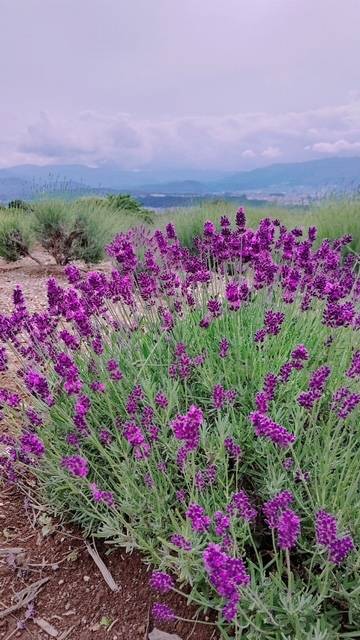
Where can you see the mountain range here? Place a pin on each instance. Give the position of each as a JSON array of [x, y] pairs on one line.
[[29, 181]]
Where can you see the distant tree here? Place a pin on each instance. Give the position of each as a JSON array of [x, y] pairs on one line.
[[19, 204]]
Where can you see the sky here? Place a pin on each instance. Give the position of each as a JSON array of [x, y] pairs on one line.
[[201, 84]]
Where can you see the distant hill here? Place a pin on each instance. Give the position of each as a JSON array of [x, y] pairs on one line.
[[29, 181], [315, 174]]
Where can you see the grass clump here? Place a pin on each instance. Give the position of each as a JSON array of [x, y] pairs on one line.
[[67, 233], [203, 409], [15, 237]]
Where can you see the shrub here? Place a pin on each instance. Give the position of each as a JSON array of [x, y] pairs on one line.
[[127, 203], [67, 234], [19, 204], [208, 420], [14, 238]]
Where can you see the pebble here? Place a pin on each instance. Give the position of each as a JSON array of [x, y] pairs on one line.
[[86, 578]]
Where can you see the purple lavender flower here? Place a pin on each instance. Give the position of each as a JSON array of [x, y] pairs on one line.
[[288, 463], [236, 294], [222, 523], [241, 218], [76, 465], [227, 575], [161, 400], [300, 353], [325, 528], [161, 581], [340, 548], [107, 497], [31, 443], [3, 359], [267, 428], [214, 307], [274, 508], [72, 439], [97, 386], [187, 428], [209, 228], [261, 401], [219, 397], [199, 521], [181, 495], [354, 369], [179, 541], [233, 449], [273, 321], [318, 379], [270, 384], [285, 371], [288, 527], [149, 481], [162, 612], [105, 437], [240, 504], [37, 385], [170, 231], [114, 370], [72, 273], [224, 346]]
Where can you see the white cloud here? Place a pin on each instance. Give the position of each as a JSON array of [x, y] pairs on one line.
[[271, 152], [230, 142], [248, 153], [340, 146]]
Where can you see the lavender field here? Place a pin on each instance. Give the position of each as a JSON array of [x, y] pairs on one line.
[[200, 403]]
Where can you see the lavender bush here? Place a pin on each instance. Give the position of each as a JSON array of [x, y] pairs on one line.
[[202, 407]]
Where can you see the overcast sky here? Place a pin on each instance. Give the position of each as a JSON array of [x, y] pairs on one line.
[[224, 84]]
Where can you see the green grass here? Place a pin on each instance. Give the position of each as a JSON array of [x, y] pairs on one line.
[[333, 219]]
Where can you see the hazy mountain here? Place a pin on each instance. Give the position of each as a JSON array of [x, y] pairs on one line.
[[106, 175], [318, 174], [28, 181]]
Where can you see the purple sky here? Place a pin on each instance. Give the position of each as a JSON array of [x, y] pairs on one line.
[[213, 84]]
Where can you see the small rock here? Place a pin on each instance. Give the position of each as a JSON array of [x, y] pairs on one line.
[[47, 627], [61, 582], [86, 578], [156, 634]]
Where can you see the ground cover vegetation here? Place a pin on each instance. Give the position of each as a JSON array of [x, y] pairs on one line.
[[80, 229], [200, 403]]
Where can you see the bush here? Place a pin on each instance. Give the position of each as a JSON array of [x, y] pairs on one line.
[[66, 233], [209, 421], [127, 203], [14, 238], [19, 204]]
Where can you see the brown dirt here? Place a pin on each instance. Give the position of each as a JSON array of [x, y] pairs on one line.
[[76, 599]]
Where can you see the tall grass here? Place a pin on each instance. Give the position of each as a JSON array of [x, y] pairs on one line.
[[332, 218]]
